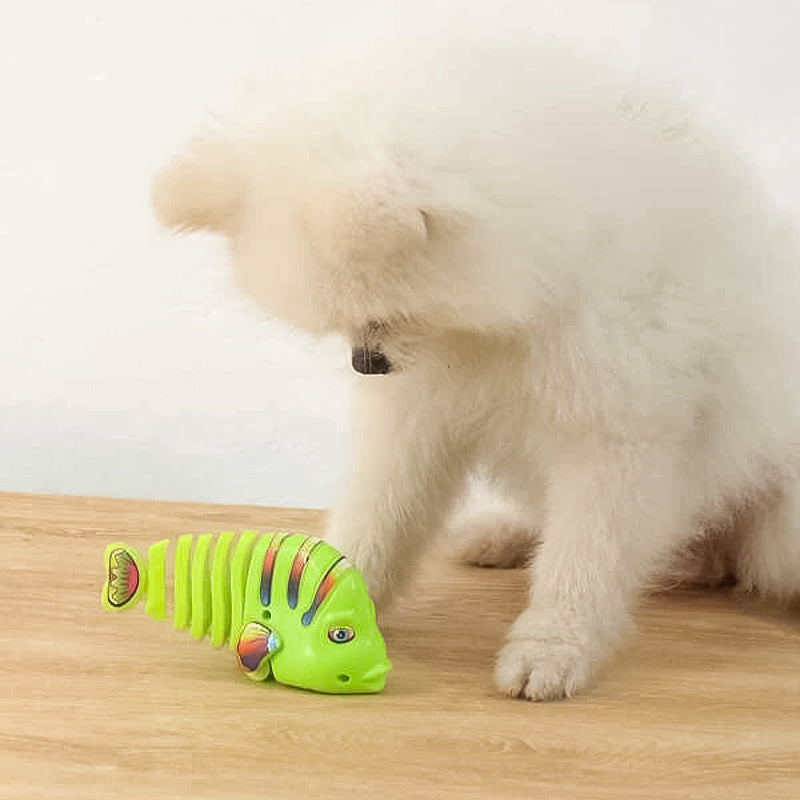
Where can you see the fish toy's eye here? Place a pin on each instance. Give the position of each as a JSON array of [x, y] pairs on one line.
[[341, 635]]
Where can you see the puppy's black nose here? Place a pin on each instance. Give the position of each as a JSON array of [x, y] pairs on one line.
[[370, 362]]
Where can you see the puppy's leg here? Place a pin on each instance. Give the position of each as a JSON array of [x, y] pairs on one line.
[[492, 530], [769, 560], [612, 516], [404, 475], [494, 539], [706, 560], [499, 524]]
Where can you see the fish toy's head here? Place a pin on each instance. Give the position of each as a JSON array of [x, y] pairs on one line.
[[340, 651], [322, 633]]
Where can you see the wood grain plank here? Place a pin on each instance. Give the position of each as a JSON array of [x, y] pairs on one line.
[[705, 702]]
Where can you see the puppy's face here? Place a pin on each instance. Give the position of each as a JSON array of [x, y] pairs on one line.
[[320, 239]]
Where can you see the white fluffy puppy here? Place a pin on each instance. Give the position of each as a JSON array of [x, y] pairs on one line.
[[583, 293]]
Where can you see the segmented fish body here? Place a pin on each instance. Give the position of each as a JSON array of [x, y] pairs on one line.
[[289, 605]]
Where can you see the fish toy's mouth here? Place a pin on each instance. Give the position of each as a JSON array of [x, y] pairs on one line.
[[375, 677], [373, 680]]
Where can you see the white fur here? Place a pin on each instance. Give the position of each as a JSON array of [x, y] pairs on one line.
[[583, 292]]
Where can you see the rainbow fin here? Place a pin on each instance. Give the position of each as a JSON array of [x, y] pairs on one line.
[[254, 649], [129, 577]]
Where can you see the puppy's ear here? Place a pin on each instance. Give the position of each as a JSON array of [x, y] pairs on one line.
[[201, 189], [359, 222]]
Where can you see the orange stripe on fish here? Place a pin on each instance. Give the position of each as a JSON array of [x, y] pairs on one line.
[[296, 572], [324, 589], [268, 567]]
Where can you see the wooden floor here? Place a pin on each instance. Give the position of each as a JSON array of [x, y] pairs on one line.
[[705, 703]]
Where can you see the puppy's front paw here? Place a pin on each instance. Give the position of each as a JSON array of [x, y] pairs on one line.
[[543, 660]]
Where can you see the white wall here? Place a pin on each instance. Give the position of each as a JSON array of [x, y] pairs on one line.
[[129, 366]]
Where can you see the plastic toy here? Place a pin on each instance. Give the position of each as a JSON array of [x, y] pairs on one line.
[[289, 605]]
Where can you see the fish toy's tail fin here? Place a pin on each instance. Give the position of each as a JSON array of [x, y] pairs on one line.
[[207, 582], [130, 577]]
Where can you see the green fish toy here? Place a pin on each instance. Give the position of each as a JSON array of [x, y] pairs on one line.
[[289, 605]]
